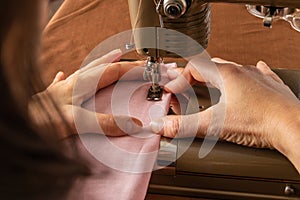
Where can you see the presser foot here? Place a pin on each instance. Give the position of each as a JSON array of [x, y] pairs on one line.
[[155, 92]]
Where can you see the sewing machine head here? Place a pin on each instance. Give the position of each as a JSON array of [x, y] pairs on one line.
[[191, 18]]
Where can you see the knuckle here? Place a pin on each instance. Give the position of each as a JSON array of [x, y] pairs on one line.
[[172, 127], [107, 124], [110, 127], [231, 69]]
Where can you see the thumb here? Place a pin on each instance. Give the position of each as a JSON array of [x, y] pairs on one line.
[[86, 121], [182, 126], [119, 125]]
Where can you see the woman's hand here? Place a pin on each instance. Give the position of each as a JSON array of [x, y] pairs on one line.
[[68, 93], [259, 109]]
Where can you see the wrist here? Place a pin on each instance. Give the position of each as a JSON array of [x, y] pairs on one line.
[[35, 109], [288, 140]]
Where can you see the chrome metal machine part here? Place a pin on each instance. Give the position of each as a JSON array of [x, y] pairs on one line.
[[183, 16], [269, 14], [152, 73]]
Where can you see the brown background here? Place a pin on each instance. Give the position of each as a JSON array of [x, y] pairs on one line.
[[80, 25]]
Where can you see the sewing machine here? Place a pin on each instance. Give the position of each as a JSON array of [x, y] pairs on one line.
[[229, 171], [151, 18]]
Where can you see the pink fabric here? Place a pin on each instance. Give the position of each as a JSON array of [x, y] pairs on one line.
[[121, 166]]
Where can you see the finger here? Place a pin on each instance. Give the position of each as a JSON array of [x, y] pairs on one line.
[[197, 70], [58, 77], [173, 73], [175, 105], [181, 126], [119, 125], [87, 83], [110, 57], [179, 84], [265, 69], [120, 71], [220, 60], [172, 65], [92, 80], [181, 81], [90, 122], [106, 59]]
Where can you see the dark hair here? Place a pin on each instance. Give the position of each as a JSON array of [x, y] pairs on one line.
[[33, 165]]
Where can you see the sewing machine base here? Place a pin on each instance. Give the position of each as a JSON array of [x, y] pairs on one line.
[[229, 172]]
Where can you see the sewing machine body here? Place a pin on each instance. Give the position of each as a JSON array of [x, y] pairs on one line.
[[193, 22], [188, 29]]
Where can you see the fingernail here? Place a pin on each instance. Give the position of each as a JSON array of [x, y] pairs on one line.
[[157, 125], [172, 74], [133, 125], [171, 65], [169, 86], [261, 62], [219, 60], [59, 73], [117, 53], [175, 85], [137, 122]]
